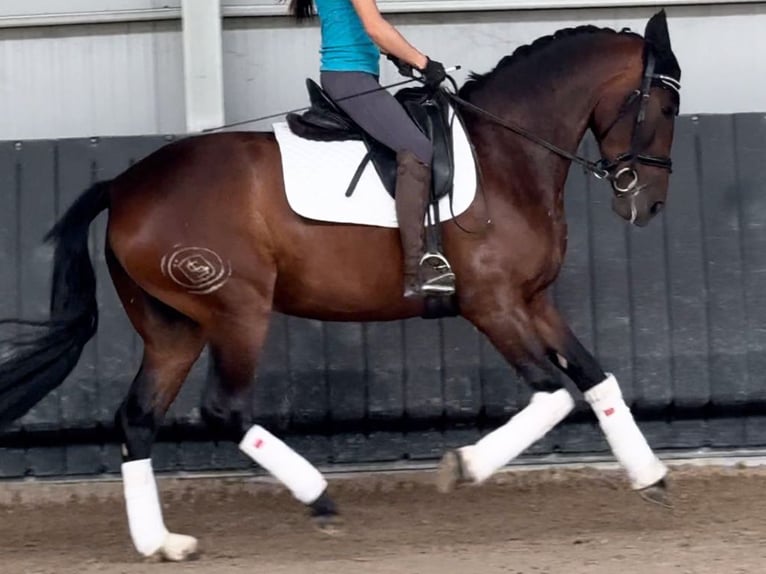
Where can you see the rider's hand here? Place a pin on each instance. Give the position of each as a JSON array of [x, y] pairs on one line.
[[404, 68], [434, 73]]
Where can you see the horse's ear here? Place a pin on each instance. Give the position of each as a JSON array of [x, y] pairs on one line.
[[657, 33], [658, 39]]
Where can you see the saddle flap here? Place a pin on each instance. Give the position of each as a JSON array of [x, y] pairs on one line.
[[430, 111]]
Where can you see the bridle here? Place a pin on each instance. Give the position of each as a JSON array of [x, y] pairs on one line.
[[614, 170]]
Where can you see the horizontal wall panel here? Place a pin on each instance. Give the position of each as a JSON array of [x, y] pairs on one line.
[[675, 310]]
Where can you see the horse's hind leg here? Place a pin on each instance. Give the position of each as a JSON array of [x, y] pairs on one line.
[[235, 347], [601, 390], [172, 342], [514, 336]]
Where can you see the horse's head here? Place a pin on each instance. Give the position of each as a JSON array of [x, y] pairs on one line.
[[633, 124]]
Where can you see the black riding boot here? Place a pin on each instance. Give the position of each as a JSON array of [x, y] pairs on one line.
[[423, 275]]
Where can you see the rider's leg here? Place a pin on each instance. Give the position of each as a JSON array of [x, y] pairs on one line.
[[383, 118], [413, 186]]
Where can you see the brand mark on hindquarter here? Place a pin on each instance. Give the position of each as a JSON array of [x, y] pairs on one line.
[[196, 269]]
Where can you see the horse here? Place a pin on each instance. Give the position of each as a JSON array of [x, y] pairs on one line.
[[202, 247]]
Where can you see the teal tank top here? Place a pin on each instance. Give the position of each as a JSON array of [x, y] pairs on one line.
[[346, 46]]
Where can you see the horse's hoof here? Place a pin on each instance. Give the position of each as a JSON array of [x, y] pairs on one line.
[[450, 473], [329, 524], [324, 514], [178, 548], [657, 494]]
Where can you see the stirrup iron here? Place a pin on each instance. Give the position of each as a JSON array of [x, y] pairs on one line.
[[444, 282], [441, 262]]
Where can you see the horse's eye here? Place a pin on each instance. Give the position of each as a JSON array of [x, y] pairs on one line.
[[669, 111]]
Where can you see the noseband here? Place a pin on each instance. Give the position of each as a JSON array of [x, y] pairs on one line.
[[604, 168], [611, 170]]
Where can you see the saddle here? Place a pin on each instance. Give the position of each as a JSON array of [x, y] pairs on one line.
[[325, 121]]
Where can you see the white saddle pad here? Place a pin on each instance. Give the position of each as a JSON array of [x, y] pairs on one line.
[[317, 175]]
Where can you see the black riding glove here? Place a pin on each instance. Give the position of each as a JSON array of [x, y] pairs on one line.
[[434, 73], [404, 68]]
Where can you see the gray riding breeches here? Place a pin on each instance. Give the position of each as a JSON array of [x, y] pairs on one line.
[[377, 112]]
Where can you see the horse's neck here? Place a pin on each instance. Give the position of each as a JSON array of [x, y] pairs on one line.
[[554, 106]]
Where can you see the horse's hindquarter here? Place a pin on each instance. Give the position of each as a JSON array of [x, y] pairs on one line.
[[184, 224]]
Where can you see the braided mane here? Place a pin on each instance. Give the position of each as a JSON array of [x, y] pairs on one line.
[[476, 81]]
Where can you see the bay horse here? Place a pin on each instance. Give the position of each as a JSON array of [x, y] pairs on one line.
[[220, 197]]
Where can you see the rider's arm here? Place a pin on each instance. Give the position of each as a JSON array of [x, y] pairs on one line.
[[386, 36]]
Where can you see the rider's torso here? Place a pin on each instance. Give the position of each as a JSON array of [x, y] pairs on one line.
[[346, 46]]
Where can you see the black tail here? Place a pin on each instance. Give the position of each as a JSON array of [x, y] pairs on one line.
[[32, 365]]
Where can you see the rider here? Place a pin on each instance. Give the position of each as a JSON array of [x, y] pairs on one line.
[[353, 35]]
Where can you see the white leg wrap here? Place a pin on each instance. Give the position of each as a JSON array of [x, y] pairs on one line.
[[623, 435], [147, 528], [498, 448], [291, 469]]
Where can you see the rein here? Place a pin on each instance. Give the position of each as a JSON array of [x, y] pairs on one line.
[[409, 80], [595, 167], [603, 168], [305, 108]]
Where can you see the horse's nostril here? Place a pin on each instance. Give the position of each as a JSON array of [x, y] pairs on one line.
[[657, 207]]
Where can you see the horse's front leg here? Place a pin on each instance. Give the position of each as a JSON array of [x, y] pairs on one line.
[[513, 335], [602, 392]]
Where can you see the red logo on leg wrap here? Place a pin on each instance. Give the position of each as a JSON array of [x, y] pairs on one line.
[[609, 412], [258, 443]]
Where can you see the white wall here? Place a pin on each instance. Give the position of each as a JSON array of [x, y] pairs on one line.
[[91, 80], [110, 79], [722, 50]]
